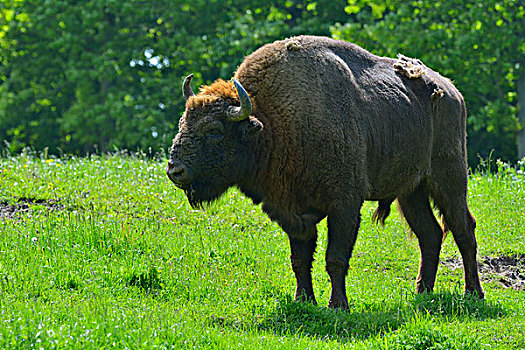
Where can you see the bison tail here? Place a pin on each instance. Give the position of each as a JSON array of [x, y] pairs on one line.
[[444, 227], [382, 211]]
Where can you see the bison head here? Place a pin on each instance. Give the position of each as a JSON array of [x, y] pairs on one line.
[[211, 151]]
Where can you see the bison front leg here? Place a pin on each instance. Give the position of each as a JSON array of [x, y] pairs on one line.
[[302, 255], [342, 233]]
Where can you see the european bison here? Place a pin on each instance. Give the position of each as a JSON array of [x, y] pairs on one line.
[[311, 127]]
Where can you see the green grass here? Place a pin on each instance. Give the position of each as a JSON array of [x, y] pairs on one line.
[[107, 253]]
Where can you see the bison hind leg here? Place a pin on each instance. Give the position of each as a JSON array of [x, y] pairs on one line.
[[417, 211], [382, 211]]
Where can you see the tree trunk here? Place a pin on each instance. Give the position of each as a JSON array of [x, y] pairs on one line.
[[521, 113]]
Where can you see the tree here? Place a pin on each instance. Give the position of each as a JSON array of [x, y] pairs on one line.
[[479, 44], [97, 74], [67, 76], [106, 73]]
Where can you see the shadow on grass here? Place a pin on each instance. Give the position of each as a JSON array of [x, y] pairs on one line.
[[365, 321]]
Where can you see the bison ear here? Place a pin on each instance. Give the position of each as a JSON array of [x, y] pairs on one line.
[[252, 127]]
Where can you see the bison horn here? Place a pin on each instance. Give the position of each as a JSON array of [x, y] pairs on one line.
[[187, 92], [236, 114]]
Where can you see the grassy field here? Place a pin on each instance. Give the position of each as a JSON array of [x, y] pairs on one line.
[[103, 252]]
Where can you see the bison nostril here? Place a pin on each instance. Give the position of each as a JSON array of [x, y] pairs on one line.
[[178, 173]]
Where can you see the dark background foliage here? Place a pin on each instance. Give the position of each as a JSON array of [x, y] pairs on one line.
[[84, 76]]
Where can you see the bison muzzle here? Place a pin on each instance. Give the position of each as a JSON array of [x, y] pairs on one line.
[[312, 127]]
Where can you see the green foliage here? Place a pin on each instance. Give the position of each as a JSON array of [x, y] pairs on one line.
[[96, 75], [478, 44], [104, 252], [81, 76]]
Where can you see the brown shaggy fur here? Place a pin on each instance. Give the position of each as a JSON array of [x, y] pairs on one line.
[[217, 91], [341, 126]]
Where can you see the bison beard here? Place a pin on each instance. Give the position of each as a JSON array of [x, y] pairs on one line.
[[202, 193], [333, 125]]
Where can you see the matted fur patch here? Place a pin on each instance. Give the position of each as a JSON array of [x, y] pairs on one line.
[[409, 67]]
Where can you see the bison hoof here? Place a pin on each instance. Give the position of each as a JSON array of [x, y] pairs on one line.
[[302, 298], [338, 304], [476, 293], [421, 288]]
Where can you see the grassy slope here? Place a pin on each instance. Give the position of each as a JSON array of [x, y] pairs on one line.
[[120, 259]]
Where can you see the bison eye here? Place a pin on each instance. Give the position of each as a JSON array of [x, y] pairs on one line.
[[213, 131], [214, 134]]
